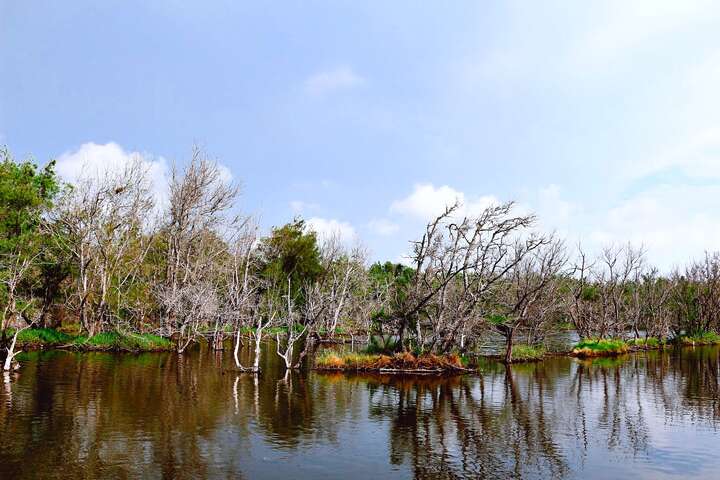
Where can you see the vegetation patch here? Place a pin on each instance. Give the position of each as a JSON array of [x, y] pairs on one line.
[[705, 338], [600, 348], [397, 363], [527, 353], [110, 341], [36, 337], [124, 342], [646, 343]]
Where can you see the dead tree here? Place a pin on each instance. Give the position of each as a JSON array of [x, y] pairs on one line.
[[457, 262], [528, 298], [198, 201]]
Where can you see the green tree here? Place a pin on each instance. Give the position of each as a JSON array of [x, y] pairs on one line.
[[290, 254], [26, 194], [390, 282]]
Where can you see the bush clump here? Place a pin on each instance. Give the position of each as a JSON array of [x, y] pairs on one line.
[[600, 347]]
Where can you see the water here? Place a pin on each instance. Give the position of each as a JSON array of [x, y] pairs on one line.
[[99, 415]]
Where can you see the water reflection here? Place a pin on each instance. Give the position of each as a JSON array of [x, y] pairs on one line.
[[67, 415]]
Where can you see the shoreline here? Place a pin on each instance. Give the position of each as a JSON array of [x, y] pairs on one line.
[[45, 339]]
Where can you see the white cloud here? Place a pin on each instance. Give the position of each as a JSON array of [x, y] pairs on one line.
[[331, 80], [383, 226], [327, 228], [426, 202], [95, 160], [554, 213], [676, 223]]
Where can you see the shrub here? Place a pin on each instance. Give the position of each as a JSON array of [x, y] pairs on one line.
[[381, 344]]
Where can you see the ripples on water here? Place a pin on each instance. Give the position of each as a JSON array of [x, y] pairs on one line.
[[97, 415]]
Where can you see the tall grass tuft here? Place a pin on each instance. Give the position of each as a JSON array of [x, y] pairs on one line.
[[527, 353], [600, 347]]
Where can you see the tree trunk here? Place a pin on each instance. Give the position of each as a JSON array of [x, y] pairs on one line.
[[509, 345], [256, 363], [237, 348], [11, 353]]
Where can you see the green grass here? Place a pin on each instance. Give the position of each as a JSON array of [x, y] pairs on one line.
[[527, 353], [117, 341], [42, 336], [600, 347], [650, 342], [131, 342], [706, 338]]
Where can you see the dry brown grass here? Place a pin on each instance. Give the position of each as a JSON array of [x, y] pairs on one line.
[[404, 361]]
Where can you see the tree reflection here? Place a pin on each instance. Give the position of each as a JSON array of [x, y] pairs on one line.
[[193, 416]]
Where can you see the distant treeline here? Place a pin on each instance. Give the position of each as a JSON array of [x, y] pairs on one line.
[[104, 255]]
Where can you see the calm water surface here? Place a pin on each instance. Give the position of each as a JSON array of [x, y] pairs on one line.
[[97, 415]]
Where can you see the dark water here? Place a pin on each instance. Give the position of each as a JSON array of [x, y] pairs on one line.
[[71, 415]]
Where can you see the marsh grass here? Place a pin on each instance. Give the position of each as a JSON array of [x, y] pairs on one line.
[[111, 341], [600, 348], [646, 343], [41, 336], [117, 341], [705, 338], [331, 360], [527, 353]]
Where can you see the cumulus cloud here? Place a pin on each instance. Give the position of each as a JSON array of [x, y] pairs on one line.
[[326, 228], [676, 223], [427, 201], [340, 78], [95, 160], [383, 226]]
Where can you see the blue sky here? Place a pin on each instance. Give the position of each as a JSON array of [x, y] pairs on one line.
[[603, 117]]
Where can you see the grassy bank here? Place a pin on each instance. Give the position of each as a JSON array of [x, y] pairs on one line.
[[32, 338], [397, 363]]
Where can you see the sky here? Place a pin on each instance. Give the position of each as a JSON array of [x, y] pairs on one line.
[[366, 118]]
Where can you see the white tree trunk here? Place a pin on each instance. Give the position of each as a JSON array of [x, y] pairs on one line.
[[11, 353]]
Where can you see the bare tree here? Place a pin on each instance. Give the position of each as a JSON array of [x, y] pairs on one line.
[[341, 277], [457, 263], [199, 198], [528, 298], [15, 268]]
